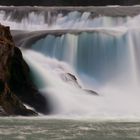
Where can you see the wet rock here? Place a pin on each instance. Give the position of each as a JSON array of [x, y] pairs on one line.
[[68, 77], [91, 92], [16, 86], [12, 105]]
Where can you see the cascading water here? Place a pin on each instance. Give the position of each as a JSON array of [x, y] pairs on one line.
[[98, 55], [101, 51], [103, 62], [39, 18]]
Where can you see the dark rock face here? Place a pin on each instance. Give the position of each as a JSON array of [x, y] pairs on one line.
[[11, 105], [21, 84], [15, 83]]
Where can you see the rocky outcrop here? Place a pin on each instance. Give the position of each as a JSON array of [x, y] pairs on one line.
[[11, 104], [70, 78], [16, 86]]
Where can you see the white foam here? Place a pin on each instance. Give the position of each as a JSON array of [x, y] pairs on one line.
[[69, 100]]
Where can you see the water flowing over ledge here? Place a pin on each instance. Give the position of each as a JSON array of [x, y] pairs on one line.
[[50, 18], [98, 10]]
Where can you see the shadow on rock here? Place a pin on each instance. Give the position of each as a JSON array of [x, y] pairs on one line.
[[16, 86]]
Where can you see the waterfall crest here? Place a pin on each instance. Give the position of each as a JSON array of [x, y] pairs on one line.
[[50, 18]]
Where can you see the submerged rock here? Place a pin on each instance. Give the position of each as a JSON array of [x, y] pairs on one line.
[[91, 92], [68, 77], [16, 86]]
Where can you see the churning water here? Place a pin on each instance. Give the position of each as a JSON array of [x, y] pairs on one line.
[[57, 129]]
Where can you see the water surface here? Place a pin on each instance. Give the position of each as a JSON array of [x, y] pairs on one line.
[[67, 129]]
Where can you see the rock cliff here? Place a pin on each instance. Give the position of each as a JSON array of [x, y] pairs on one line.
[[16, 87]]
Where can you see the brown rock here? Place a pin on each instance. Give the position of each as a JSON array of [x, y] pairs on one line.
[[15, 82]]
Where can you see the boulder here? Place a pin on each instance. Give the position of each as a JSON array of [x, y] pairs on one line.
[[16, 86]]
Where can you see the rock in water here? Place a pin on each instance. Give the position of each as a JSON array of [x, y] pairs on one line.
[[15, 82], [11, 104], [68, 77], [91, 92]]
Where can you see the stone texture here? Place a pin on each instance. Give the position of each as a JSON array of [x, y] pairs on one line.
[[16, 86]]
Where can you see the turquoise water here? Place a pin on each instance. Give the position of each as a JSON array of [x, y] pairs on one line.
[[67, 129]]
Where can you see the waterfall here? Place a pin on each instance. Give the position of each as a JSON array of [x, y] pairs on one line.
[[66, 97], [69, 100], [104, 62], [107, 63], [98, 55], [69, 50]]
